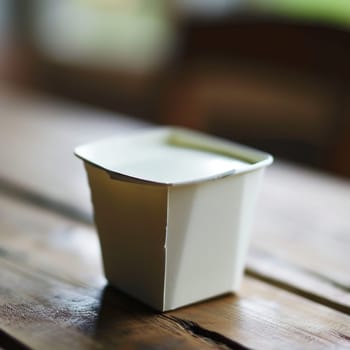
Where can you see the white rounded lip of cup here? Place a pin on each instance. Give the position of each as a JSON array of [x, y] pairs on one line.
[[171, 156]]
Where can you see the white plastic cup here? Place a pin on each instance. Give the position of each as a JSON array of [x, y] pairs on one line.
[[173, 210]]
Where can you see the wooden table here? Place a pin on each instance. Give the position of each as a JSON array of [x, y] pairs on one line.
[[53, 295]]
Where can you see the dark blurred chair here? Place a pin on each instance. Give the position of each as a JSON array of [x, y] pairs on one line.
[[277, 85]]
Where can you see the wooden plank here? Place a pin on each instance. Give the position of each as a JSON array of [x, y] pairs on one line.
[[264, 317], [37, 137], [302, 235], [53, 292]]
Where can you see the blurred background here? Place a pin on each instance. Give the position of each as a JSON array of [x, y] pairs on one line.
[[273, 74]]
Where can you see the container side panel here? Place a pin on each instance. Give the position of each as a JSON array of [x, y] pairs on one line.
[[208, 236], [131, 222]]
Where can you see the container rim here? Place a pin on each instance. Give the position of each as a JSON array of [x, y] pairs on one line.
[[102, 153]]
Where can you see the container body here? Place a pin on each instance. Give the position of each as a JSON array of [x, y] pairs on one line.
[[172, 246]]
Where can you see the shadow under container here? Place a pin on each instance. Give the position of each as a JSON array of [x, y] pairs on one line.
[[173, 210]]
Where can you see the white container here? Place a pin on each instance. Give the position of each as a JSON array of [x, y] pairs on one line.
[[173, 209]]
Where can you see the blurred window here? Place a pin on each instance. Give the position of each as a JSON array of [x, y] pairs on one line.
[[133, 34]]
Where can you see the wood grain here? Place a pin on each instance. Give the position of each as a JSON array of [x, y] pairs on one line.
[[53, 292], [264, 317], [37, 137], [52, 287], [301, 237]]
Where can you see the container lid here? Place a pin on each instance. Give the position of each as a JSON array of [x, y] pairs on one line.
[[171, 156]]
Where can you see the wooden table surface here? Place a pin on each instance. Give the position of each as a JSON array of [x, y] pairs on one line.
[[53, 295]]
